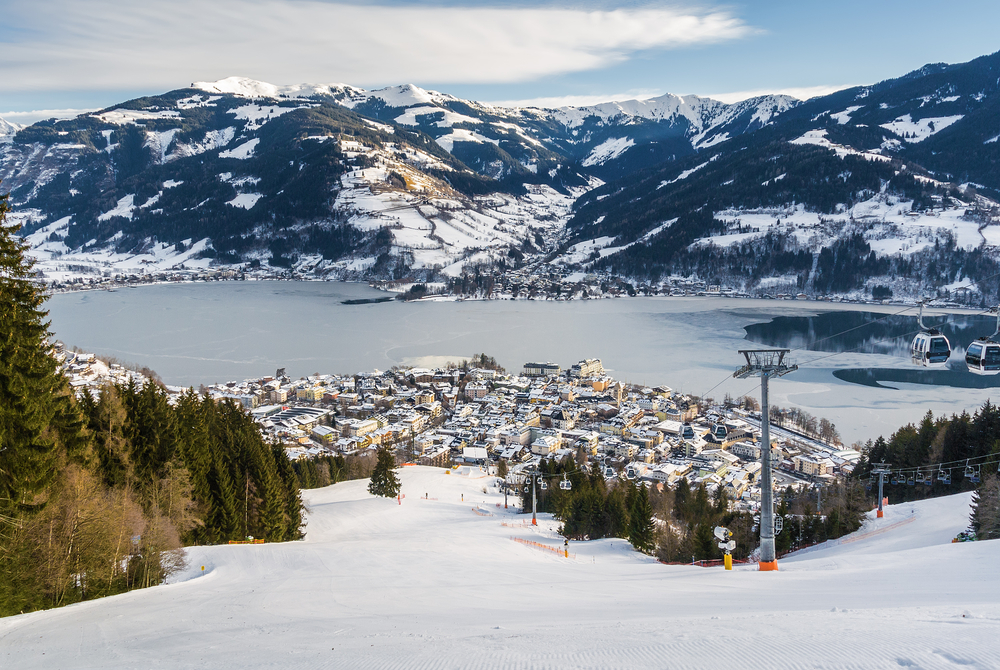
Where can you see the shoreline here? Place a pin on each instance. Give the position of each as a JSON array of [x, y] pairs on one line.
[[838, 303]]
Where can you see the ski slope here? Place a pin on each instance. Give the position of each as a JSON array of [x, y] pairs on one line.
[[432, 583]]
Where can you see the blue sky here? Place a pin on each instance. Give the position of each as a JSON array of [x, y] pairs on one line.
[[84, 54]]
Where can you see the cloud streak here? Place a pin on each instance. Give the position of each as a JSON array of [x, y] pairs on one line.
[[108, 44]]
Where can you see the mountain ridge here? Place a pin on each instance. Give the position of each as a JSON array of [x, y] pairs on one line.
[[402, 182]]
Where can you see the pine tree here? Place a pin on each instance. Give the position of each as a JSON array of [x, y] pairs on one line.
[[33, 396], [641, 527], [41, 427], [682, 497], [384, 481], [986, 508]]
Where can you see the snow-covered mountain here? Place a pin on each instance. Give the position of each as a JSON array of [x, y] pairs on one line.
[[503, 141], [331, 179], [890, 189], [340, 181], [8, 130]]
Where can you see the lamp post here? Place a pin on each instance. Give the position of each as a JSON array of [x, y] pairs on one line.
[[765, 363]]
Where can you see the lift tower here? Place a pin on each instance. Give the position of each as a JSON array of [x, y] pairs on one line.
[[880, 469], [765, 363]]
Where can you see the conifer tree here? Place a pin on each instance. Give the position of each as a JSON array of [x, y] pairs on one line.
[[37, 413], [641, 527], [682, 497], [384, 481], [986, 508], [41, 427]]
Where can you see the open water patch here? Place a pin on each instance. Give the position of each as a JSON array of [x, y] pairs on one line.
[[876, 333], [957, 378]]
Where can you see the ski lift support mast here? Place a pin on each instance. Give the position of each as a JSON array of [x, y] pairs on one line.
[[880, 469], [766, 364]]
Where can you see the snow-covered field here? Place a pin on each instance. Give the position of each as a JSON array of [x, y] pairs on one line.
[[432, 583]]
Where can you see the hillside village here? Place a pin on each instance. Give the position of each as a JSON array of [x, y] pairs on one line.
[[479, 415]]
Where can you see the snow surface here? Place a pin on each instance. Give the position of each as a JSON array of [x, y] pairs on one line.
[[7, 130], [438, 583], [121, 117], [447, 142], [818, 137], [408, 95], [214, 139], [157, 141], [243, 151], [245, 200], [919, 130], [887, 222], [448, 118], [257, 115], [124, 208], [251, 88], [685, 174], [844, 117], [434, 224], [608, 150]]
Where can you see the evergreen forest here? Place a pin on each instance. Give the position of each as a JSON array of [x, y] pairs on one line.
[[99, 494], [677, 524], [941, 456]]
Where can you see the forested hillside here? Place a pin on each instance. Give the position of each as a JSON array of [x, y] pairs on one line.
[[98, 496], [677, 523]]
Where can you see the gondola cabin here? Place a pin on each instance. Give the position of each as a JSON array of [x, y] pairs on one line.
[[930, 349], [983, 357]]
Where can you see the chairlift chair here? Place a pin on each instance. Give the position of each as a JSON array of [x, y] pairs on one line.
[[930, 348], [542, 485], [565, 484], [910, 480], [944, 476], [895, 478], [972, 472], [983, 355]]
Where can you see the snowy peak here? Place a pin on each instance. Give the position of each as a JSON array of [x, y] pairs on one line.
[[408, 95], [700, 112], [8, 130], [251, 88], [611, 139]]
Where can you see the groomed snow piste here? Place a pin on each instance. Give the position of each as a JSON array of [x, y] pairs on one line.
[[438, 583]]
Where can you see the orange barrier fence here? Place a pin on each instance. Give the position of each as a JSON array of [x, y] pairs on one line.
[[247, 541], [518, 524], [877, 531], [481, 512], [547, 547]]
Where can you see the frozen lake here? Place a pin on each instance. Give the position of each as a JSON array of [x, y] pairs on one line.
[[213, 332]]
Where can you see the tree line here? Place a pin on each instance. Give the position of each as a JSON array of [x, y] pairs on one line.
[[943, 445], [98, 495], [676, 524]]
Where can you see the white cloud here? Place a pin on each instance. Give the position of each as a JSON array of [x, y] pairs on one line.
[[112, 44], [576, 100], [27, 118], [802, 93]]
